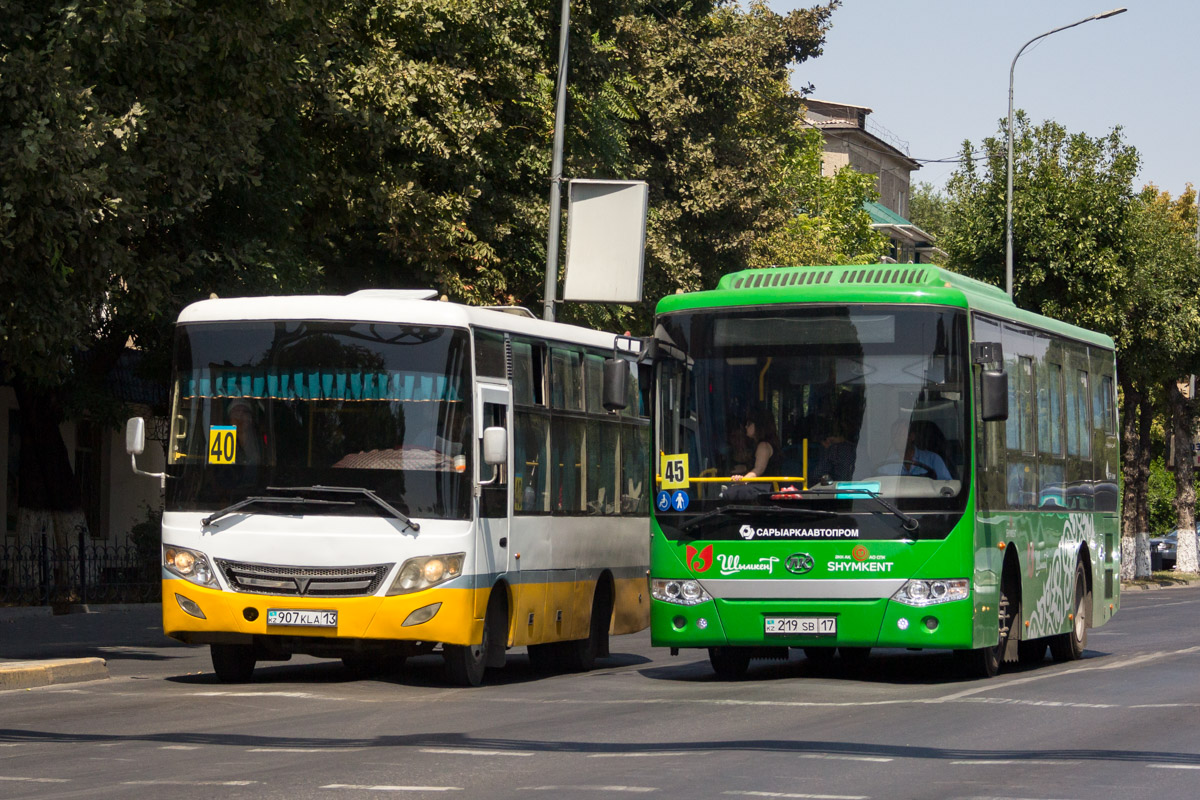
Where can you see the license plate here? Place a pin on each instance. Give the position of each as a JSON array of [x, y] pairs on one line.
[[314, 619], [800, 626]]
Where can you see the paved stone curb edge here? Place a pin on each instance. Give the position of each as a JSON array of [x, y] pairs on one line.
[[31, 674]]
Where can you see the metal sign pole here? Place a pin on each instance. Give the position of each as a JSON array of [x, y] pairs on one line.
[[560, 114]]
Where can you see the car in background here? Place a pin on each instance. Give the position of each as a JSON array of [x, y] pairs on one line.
[[1163, 550]]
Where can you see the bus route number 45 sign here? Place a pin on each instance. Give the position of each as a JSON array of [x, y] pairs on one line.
[[675, 471]]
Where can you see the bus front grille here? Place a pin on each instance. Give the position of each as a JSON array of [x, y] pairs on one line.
[[303, 581]]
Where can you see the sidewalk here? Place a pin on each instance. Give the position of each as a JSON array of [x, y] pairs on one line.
[[39, 648]]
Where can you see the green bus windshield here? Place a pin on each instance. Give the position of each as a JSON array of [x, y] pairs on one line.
[[845, 396]]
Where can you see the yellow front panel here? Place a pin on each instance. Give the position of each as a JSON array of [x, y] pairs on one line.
[[358, 617]]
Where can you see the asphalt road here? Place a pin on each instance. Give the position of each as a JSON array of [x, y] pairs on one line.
[[1121, 723]]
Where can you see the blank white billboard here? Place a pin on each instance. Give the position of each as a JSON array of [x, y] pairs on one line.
[[606, 241]]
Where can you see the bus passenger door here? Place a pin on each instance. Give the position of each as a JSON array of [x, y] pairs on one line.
[[494, 501]]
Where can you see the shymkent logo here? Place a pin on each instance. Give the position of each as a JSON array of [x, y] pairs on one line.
[[746, 531], [699, 560], [799, 563]]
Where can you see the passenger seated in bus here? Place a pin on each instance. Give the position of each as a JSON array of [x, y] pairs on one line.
[[737, 453], [768, 457], [909, 459]]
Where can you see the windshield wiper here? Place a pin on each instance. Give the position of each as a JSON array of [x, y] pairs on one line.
[[910, 523], [367, 493], [735, 508], [209, 520]]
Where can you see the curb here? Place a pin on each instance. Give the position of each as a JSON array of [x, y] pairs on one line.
[[28, 612], [29, 674]]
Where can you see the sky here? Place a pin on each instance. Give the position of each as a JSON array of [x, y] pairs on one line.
[[935, 72]]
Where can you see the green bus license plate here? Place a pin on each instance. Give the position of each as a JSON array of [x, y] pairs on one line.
[[313, 619], [800, 626]]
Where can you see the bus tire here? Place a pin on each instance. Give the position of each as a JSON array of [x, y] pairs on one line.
[[730, 663], [984, 662], [233, 663], [466, 663], [1070, 646], [580, 655]]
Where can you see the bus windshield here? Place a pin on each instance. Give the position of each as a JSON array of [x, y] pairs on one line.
[[845, 398], [381, 407]]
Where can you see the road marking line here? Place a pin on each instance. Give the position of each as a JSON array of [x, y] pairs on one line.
[[384, 788], [1014, 701], [1129, 662], [833, 757], [301, 695], [1173, 766], [800, 796], [34, 780], [1022, 761], [167, 782], [651, 755], [637, 789], [302, 749], [180, 747], [460, 751]]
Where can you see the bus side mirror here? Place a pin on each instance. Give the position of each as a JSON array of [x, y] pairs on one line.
[[616, 384], [135, 436], [993, 395], [495, 445]]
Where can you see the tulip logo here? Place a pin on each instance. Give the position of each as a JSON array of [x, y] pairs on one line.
[[699, 560]]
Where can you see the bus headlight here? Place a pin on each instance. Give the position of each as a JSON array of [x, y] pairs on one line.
[[680, 592], [425, 571], [932, 592], [191, 565]]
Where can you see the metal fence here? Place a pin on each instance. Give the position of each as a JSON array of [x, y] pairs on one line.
[[43, 574]]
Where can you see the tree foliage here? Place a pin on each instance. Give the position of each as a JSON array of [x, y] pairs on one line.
[[155, 151], [1072, 199]]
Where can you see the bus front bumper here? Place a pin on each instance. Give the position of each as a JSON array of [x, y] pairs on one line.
[[199, 615], [859, 623]]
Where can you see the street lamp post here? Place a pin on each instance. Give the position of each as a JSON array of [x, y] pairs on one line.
[[1008, 223]]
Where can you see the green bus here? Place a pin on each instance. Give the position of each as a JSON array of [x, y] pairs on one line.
[[884, 456]]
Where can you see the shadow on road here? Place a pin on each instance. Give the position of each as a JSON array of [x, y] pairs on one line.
[[899, 667], [419, 671], [766, 746]]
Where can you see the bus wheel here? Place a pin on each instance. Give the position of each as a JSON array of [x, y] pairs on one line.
[[580, 655], [465, 663], [233, 663], [984, 662], [1070, 646], [730, 663]]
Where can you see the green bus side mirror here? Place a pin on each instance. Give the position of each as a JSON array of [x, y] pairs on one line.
[[993, 395]]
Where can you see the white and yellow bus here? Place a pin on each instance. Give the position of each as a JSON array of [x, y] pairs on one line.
[[380, 475]]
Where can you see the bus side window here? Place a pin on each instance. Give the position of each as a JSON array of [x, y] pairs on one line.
[[530, 460]]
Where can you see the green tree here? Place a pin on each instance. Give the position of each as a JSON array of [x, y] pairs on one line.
[[929, 209], [156, 151], [128, 133]]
